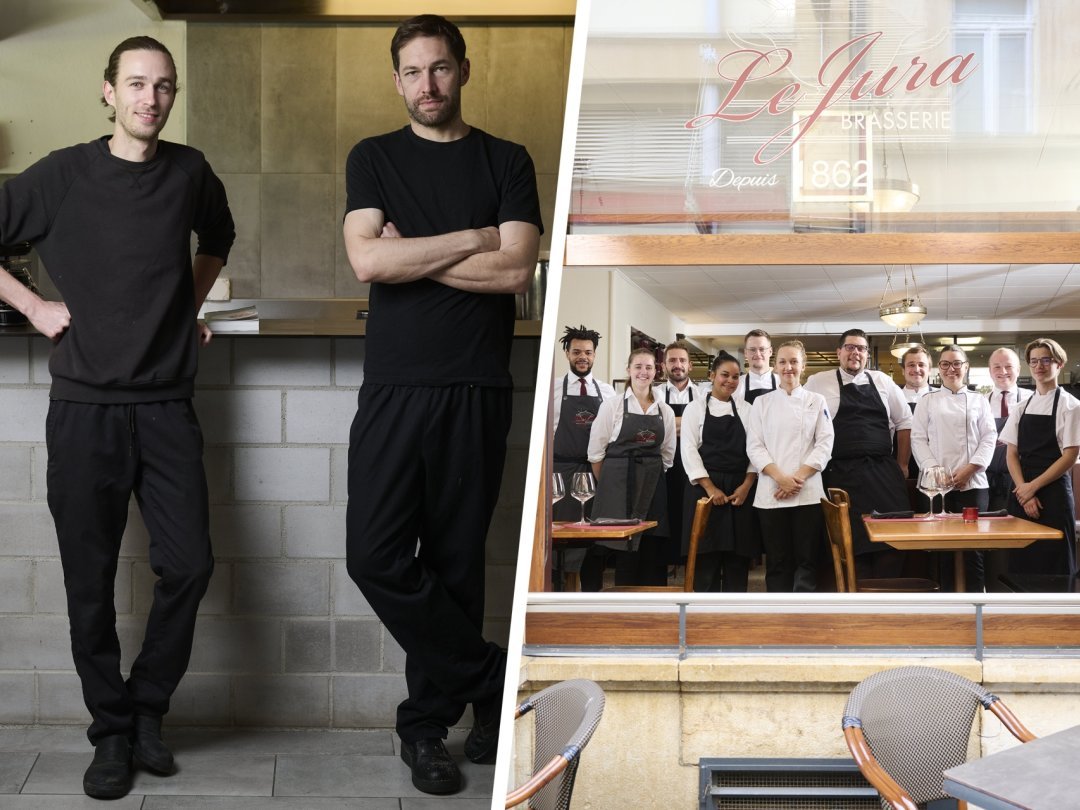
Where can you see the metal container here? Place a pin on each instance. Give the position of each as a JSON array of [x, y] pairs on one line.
[[16, 260], [529, 306]]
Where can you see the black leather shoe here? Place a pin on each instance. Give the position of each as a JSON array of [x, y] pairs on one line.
[[433, 769], [483, 741], [109, 775], [148, 747]]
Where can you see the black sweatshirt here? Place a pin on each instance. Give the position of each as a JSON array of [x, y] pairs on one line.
[[115, 237]]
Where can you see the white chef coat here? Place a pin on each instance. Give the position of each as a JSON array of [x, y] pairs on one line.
[[954, 429], [824, 383], [914, 395], [1067, 424], [608, 423], [573, 389], [693, 423], [751, 381], [789, 431], [1015, 397]]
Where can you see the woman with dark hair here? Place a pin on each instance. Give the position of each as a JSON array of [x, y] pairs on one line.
[[714, 457], [1043, 436], [631, 444], [790, 441]]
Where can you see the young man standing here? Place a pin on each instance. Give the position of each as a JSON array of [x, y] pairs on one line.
[[112, 220], [759, 378], [443, 220], [915, 364]]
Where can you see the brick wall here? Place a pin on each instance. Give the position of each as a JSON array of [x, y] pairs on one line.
[[284, 637]]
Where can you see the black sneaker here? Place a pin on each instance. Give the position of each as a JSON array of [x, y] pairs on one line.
[[433, 769], [483, 741], [148, 747], [109, 775]]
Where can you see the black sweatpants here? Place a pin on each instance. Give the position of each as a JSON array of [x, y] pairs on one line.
[[98, 456], [425, 463]]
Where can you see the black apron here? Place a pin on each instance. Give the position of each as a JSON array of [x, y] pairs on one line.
[[723, 453], [1037, 445], [862, 462], [997, 474], [632, 477], [912, 467], [570, 447], [750, 396], [675, 479]]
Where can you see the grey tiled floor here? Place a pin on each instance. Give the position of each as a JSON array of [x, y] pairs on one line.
[[235, 769]]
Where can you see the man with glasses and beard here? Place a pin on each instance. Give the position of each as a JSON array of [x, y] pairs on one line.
[[443, 220], [576, 398], [867, 408]]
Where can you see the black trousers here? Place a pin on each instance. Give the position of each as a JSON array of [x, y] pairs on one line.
[[99, 455], [425, 463], [792, 538]]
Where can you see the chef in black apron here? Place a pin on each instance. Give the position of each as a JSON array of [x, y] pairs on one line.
[[1043, 436], [677, 392], [1004, 399], [915, 364], [631, 444], [576, 401], [714, 455], [862, 460]]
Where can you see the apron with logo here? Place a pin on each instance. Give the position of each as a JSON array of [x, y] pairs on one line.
[[570, 447]]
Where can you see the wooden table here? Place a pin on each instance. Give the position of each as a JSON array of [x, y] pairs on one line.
[[572, 531], [1038, 775], [956, 534]]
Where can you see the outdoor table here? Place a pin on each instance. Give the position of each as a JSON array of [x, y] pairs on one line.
[[1038, 775], [955, 534]]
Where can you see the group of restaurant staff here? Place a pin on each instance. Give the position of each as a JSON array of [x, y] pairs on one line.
[[764, 448]]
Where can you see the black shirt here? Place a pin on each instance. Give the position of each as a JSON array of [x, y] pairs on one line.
[[424, 332]]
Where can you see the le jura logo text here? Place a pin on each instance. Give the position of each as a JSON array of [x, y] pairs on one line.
[[846, 84]]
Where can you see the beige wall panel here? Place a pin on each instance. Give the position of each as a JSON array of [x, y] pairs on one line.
[[245, 259], [297, 235], [298, 79]]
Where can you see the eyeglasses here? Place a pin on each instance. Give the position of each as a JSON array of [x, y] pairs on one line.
[[755, 350], [956, 364], [855, 347], [1041, 361]]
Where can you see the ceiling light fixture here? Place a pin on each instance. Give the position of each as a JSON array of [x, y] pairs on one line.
[[894, 194], [906, 312]]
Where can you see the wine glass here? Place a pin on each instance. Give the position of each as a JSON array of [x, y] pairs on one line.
[[947, 486], [582, 489], [931, 483], [558, 488]]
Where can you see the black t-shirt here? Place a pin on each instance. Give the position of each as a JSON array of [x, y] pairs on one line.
[[115, 237], [423, 332]]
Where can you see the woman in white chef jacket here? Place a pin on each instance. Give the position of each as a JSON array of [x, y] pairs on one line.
[[1043, 436], [631, 444], [789, 442], [714, 458], [952, 427]]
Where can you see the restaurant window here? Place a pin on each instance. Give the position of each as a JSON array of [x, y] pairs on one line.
[[998, 99]]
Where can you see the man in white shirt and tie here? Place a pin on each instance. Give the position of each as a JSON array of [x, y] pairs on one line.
[[1004, 399], [576, 398]]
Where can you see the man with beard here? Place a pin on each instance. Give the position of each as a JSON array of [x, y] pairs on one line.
[[867, 408], [677, 392], [915, 364], [576, 398], [112, 221], [443, 220]]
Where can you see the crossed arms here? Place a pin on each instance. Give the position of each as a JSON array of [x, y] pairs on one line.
[[481, 260]]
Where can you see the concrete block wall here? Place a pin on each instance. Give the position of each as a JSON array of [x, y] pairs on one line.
[[284, 637]]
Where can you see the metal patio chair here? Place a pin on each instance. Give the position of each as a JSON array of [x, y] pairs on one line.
[[566, 715], [906, 726]]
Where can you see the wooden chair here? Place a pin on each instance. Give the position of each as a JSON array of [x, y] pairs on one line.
[[702, 510], [837, 509], [906, 726], [566, 715]]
